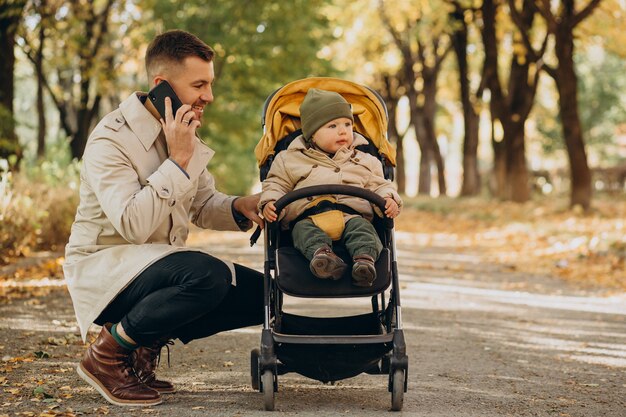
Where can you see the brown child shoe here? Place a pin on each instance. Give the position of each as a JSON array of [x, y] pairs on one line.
[[326, 265], [363, 271]]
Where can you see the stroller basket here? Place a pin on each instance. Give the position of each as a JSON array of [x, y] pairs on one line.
[[331, 361]]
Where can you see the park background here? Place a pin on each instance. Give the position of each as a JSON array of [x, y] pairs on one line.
[[509, 116]]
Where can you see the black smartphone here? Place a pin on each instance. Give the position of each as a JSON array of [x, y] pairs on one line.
[[157, 96]]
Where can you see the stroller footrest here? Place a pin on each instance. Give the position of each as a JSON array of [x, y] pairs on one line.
[[294, 277]]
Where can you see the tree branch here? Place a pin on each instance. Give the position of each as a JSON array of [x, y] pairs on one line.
[[543, 6], [584, 13]]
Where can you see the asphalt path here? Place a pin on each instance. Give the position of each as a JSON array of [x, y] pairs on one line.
[[482, 340]]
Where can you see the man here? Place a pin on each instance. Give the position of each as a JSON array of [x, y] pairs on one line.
[[127, 267]]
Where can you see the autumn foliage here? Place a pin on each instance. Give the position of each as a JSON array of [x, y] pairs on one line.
[[587, 249]]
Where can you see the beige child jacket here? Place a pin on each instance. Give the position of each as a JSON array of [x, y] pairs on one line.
[[300, 166]]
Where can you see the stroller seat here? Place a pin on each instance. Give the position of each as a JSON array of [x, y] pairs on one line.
[[294, 277]]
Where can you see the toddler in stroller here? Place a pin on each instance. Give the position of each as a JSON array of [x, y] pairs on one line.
[[326, 153], [326, 348]]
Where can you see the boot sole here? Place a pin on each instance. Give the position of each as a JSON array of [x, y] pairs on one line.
[[364, 275], [163, 390], [93, 381], [327, 269]]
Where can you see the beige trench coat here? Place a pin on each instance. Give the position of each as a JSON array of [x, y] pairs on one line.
[[298, 167], [135, 207]]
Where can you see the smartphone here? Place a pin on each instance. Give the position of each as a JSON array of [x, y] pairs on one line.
[[157, 96]]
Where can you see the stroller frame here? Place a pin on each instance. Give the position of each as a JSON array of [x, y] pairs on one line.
[[372, 343]]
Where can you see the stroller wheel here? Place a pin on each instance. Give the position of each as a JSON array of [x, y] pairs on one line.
[[254, 368], [267, 386], [397, 390]]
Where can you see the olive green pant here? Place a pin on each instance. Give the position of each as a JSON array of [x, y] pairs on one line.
[[359, 238]]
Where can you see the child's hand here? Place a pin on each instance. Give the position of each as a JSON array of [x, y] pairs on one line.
[[269, 212], [391, 208]]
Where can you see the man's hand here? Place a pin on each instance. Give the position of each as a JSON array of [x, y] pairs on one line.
[[391, 208], [269, 211], [180, 132], [248, 207]]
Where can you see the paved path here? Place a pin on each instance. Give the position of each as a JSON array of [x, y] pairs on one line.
[[482, 341]]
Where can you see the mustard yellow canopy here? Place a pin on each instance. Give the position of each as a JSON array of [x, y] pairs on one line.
[[282, 115]]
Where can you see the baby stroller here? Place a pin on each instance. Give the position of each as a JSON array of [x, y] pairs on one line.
[[327, 349]]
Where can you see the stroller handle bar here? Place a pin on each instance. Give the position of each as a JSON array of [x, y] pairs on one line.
[[292, 196], [305, 192]]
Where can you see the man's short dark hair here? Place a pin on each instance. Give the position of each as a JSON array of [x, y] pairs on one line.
[[171, 48]]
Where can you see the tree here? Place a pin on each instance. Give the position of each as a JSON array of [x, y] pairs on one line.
[[391, 89], [561, 22], [84, 48], [10, 14], [33, 40], [423, 45], [471, 174], [511, 106], [601, 92]]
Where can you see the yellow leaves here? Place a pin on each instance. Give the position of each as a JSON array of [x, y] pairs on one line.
[[30, 277], [68, 339], [19, 359], [537, 237]]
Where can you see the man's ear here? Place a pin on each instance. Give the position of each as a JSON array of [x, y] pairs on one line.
[[156, 80]]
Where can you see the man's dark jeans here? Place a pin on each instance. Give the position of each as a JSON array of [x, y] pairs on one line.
[[187, 295]]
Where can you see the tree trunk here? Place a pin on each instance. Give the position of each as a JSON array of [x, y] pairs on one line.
[[580, 193], [41, 111], [517, 186], [391, 92], [10, 14], [85, 119], [430, 110], [498, 181], [395, 137], [521, 96], [511, 106], [424, 180], [471, 175]]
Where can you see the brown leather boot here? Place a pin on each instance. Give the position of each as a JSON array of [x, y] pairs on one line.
[[325, 264], [363, 271], [106, 367], [145, 361]]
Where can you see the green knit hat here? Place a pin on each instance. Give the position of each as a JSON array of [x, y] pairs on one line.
[[320, 107]]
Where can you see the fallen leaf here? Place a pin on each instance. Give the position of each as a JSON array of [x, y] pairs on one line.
[[40, 392]]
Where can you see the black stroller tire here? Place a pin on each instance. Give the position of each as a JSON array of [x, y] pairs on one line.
[[267, 386], [254, 368], [397, 390]]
